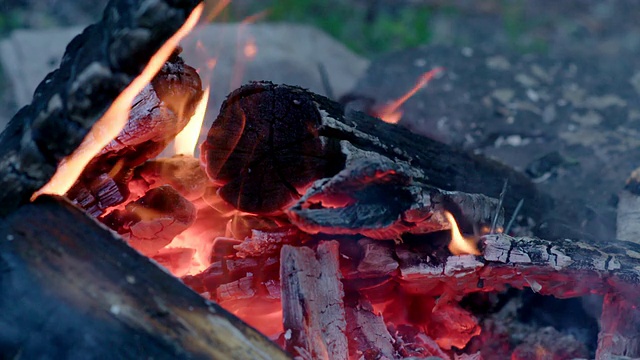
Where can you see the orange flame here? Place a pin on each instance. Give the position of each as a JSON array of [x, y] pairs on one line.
[[114, 120], [460, 245], [217, 9], [391, 112], [185, 142]]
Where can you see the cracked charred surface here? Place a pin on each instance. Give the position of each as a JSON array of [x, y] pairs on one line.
[[275, 147], [97, 66]]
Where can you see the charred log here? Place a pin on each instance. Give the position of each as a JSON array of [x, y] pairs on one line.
[[277, 146], [343, 172], [157, 115], [97, 66], [78, 292]]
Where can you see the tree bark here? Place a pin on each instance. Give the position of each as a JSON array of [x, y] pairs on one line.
[[71, 289]]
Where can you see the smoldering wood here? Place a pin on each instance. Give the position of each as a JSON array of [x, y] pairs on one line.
[[368, 333], [77, 292], [619, 328], [562, 268], [96, 67], [158, 113], [278, 146], [312, 302], [151, 222], [183, 173]]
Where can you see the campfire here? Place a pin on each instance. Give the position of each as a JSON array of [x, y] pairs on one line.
[[301, 228]]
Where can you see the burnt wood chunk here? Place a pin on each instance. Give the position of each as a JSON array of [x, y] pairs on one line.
[[159, 112], [183, 173], [368, 334], [71, 289], [312, 302], [151, 222], [96, 67]]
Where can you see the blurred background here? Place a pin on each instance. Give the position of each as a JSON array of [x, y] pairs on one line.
[[606, 29]]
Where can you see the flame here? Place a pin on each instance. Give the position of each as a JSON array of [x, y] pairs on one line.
[[460, 245], [185, 142], [115, 118], [391, 112], [217, 9]]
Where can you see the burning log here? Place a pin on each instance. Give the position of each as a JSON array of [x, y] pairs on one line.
[[159, 112], [370, 338], [312, 302], [77, 291], [108, 61], [343, 172], [562, 268]]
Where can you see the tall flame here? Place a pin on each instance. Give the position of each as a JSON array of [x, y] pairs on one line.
[[391, 112], [115, 118], [460, 244], [185, 142]]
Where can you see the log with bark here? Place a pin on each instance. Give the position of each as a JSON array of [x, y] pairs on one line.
[[341, 171]]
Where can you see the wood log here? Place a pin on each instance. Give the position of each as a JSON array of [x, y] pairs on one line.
[[312, 302], [71, 289], [97, 67], [271, 142], [159, 112], [562, 268]]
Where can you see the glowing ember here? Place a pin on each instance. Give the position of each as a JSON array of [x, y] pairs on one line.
[[392, 113], [115, 118], [460, 245], [185, 142]]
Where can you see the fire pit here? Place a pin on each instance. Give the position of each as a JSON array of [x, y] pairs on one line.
[[305, 228]]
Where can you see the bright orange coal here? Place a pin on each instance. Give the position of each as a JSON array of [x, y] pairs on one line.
[[460, 245], [114, 120], [391, 112]]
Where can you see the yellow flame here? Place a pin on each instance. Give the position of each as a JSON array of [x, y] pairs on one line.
[[114, 120], [460, 245], [185, 142], [391, 113]]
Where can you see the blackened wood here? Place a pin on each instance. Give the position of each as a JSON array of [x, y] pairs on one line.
[[181, 172], [70, 289], [271, 141], [368, 333], [312, 302], [159, 112], [151, 222], [97, 66], [562, 268]]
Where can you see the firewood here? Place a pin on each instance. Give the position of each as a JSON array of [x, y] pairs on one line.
[[73, 290], [159, 112], [97, 66], [312, 302], [343, 172], [562, 268], [368, 334], [183, 173], [151, 222]]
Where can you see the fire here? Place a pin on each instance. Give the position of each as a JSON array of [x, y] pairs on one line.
[[391, 112], [185, 142], [115, 118], [460, 245]]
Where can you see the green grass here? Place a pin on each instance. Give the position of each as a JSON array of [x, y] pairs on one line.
[[366, 31]]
